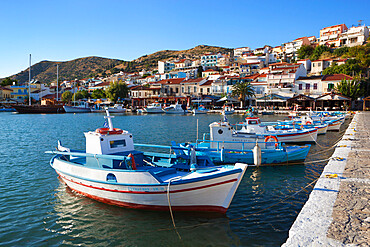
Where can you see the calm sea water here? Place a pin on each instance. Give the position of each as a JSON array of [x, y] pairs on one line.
[[37, 209]]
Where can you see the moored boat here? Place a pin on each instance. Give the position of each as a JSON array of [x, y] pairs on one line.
[[39, 108], [176, 109], [200, 110], [153, 108], [81, 107], [113, 172], [253, 126]]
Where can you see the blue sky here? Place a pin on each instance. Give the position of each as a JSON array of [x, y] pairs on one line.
[[64, 30]]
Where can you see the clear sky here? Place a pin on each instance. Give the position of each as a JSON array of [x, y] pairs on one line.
[[57, 30]]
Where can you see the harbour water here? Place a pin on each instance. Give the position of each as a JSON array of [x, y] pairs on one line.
[[36, 208]]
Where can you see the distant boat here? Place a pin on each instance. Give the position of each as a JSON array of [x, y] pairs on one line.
[[154, 108], [227, 110], [39, 108], [176, 109], [82, 107], [200, 110], [117, 108]]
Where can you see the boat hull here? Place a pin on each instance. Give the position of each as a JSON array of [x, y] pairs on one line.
[[153, 110], [74, 109], [334, 126], [298, 137], [39, 108], [269, 156], [213, 194]]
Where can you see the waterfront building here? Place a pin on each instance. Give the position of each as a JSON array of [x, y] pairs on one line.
[[306, 63], [206, 88], [330, 36], [5, 93], [354, 36], [310, 86], [259, 84], [190, 87], [282, 76]]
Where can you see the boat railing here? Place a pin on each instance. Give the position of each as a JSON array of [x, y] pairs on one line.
[[221, 144]]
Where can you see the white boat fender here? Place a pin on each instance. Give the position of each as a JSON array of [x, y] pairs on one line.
[[257, 155], [222, 154], [193, 160]]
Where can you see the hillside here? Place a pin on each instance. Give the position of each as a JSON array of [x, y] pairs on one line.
[[46, 71], [151, 61]]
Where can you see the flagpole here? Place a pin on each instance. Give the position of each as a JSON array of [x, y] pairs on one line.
[[57, 81], [29, 84]]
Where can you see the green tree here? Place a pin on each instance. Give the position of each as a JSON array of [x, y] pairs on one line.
[[66, 96], [340, 51], [351, 67], [305, 51], [318, 51], [243, 90], [82, 94], [352, 89], [117, 90], [98, 94], [8, 81]]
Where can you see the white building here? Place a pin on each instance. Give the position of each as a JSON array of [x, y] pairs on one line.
[[164, 67], [354, 36], [239, 51], [331, 35], [291, 48]]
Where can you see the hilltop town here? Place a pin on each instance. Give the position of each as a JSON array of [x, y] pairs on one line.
[[296, 72]]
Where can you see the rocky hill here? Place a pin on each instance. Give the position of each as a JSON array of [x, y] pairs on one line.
[[46, 71], [87, 67]]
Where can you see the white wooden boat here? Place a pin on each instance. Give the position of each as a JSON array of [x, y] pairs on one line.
[[227, 110], [113, 172]]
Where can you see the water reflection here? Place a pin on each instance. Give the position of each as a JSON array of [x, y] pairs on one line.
[[88, 221]]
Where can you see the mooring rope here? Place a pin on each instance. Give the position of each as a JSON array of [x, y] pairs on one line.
[[169, 205]]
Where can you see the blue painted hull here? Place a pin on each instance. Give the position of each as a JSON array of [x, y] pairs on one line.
[[269, 156]]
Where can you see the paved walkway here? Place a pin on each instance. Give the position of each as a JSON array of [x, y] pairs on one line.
[[337, 212]]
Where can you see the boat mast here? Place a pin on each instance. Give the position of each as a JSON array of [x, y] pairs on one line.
[[29, 84], [57, 81]]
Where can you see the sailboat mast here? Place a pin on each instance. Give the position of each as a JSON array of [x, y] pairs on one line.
[[29, 84], [57, 81]]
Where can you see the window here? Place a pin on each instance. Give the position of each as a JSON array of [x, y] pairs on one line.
[[117, 143], [182, 89], [308, 86], [201, 90], [300, 87], [330, 86], [195, 89], [177, 90], [315, 86], [207, 90]]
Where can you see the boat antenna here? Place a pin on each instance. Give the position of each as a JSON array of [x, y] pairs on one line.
[[109, 117], [29, 84], [57, 82]]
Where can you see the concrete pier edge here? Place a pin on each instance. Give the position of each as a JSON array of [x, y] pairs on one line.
[[311, 225]]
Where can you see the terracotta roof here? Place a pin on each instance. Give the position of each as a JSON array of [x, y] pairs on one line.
[[171, 81], [210, 70], [337, 77], [193, 80], [300, 38], [207, 83], [4, 88]]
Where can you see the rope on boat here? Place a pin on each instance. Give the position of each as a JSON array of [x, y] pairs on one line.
[[231, 220], [169, 205]]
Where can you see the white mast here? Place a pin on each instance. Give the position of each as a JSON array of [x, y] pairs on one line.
[[29, 84], [57, 81]]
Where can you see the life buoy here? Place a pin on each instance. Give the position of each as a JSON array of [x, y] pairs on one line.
[[308, 123], [132, 166], [273, 137], [105, 131]]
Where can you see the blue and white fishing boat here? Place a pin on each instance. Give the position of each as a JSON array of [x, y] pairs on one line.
[[200, 110], [253, 126], [227, 110], [225, 145], [113, 172]]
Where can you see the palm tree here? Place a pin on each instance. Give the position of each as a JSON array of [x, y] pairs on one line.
[[243, 90], [350, 89]]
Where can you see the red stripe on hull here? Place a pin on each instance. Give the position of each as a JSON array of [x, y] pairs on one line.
[[149, 192], [204, 208], [299, 134]]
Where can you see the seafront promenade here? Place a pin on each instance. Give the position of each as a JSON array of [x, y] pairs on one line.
[[337, 212]]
